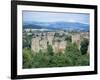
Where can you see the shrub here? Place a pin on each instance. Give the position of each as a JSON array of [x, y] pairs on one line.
[[84, 46], [27, 57], [72, 52], [83, 60]]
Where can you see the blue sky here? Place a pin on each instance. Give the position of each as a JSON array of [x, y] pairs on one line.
[[38, 16]]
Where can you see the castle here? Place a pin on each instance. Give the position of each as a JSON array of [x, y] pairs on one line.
[[59, 43]]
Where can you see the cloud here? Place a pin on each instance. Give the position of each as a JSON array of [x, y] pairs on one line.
[[40, 16]]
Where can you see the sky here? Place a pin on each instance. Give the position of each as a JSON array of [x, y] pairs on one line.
[[40, 16]]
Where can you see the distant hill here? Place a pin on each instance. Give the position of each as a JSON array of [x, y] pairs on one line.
[[57, 26], [31, 26], [69, 26]]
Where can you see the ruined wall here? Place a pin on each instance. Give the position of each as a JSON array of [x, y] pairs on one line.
[[40, 42]]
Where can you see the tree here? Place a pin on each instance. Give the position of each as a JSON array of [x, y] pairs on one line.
[[56, 34], [72, 53], [68, 38], [49, 49], [27, 41], [84, 46], [27, 57]]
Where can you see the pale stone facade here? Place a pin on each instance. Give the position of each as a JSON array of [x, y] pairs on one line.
[[40, 40], [76, 39]]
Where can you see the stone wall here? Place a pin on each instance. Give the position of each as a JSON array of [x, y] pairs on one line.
[[40, 42]]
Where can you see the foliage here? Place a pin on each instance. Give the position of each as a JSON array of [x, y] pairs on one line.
[[27, 41], [56, 34], [40, 60], [27, 57], [72, 53], [71, 57], [68, 38], [84, 46], [49, 49], [83, 60]]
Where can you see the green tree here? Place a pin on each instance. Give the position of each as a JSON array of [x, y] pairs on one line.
[[49, 49], [40, 59], [83, 60], [56, 34], [27, 41], [84, 46], [72, 53], [68, 38], [27, 57]]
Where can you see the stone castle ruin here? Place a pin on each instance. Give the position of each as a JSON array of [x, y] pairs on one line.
[[58, 42]]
